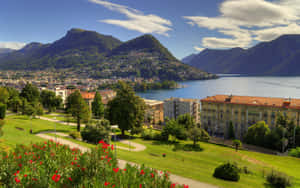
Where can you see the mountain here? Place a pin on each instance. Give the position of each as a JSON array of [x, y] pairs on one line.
[[102, 56], [188, 58], [279, 57], [5, 50]]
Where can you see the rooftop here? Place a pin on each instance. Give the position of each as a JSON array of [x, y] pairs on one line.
[[152, 102], [255, 101]]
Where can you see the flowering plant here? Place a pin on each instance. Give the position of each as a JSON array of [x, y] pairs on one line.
[[51, 164]]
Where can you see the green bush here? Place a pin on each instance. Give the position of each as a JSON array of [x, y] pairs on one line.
[[295, 152], [95, 133], [228, 172], [278, 180], [2, 111], [187, 147], [75, 135], [151, 135]]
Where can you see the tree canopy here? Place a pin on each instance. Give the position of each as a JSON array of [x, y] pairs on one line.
[[126, 110], [97, 106]]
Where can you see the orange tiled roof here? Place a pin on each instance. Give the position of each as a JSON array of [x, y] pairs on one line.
[[88, 95], [255, 101]]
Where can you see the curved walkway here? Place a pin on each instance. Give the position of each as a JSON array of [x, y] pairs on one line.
[[61, 122], [122, 163]]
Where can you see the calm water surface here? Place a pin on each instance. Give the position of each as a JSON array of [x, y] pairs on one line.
[[249, 86]]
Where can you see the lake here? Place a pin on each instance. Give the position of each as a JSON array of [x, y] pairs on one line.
[[283, 87]]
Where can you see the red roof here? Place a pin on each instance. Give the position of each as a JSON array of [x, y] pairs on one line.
[[255, 101], [88, 95]]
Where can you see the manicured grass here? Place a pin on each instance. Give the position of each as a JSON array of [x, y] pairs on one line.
[[60, 117], [13, 136]]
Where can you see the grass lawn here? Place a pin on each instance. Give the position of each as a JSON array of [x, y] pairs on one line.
[[13, 136]]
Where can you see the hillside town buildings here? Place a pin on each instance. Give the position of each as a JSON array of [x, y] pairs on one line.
[[154, 111]]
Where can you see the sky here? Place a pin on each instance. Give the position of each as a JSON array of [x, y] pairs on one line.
[[183, 26]]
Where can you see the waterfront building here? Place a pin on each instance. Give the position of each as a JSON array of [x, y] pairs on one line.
[[175, 107], [106, 96], [154, 111], [243, 111]]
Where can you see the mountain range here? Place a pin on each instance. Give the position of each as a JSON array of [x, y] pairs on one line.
[[280, 57], [102, 56]]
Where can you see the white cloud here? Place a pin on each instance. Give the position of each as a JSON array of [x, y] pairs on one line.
[[244, 21], [137, 20], [12, 45], [199, 49]]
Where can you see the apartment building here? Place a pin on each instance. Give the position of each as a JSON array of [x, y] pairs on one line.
[[243, 111], [175, 107], [154, 111]]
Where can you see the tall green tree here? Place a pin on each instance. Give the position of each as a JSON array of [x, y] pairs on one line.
[[50, 100], [126, 110], [78, 108], [257, 134], [2, 110], [197, 134], [231, 131], [187, 121], [97, 106], [30, 93], [4, 95]]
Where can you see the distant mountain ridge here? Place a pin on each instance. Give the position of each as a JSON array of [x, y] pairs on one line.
[[103, 56], [279, 57], [5, 50]]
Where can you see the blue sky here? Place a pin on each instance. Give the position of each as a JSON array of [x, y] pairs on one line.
[[184, 27]]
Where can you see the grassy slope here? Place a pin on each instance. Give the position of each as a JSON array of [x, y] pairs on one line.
[[195, 165], [13, 136]]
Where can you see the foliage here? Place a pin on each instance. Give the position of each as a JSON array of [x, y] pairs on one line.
[[97, 106], [50, 100], [295, 152], [2, 110], [278, 180], [187, 147], [187, 121], [228, 172], [4, 95], [78, 108], [2, 122], [149, 134], [172, 128], [30, 93], [231, 131], [236, 143], [15, 104], [95, 133], [75, 135], [197, 134], [126, 110], [51, 164]]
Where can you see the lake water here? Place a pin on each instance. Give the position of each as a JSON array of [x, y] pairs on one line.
[[249, 86]]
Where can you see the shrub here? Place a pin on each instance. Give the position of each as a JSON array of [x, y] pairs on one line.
[[75, 135], [227, 171], [2, 111], [148, 134], [278, 180], [187, 147], [295, 152], [95, 133], [60, 166]]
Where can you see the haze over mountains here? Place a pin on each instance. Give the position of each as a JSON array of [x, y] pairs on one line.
[[280, 57], [102, 57]]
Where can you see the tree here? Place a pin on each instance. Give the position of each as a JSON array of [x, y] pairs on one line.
[[2, 110], [4, 95], [231, 131], [126, 110], [237, 144], [172, 128], [197, 134], [97, 106], [78, 108], [257, 134], [15, 104], [30, 93], [95, 133], [50, 100], [186, 120], [2, 122]]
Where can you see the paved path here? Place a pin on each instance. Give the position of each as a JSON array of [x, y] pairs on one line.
[[61, 122], [122, 164]]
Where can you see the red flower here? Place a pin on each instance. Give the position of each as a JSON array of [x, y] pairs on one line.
[[30, 161], [112, 147], [185, 186], [56, 178], [125, 169], [70, 179], [116, 170], [17, 173], [142, 172], [20, 165], [83, 169], [106, 183], [101, 142], [17, 180], [25, 175], [152, 175], [173, 185], [140, 185]]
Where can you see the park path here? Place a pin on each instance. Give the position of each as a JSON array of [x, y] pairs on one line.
[[122, 163], [61, 122]]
